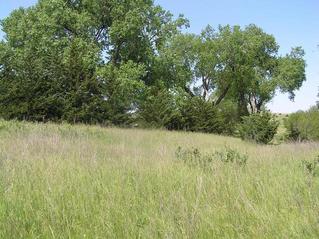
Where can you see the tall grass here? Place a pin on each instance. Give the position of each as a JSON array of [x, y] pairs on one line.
[[62, 181]]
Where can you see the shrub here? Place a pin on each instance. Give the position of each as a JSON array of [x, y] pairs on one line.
[[158, 110], [193, 157], [201, 116], [164, 109], [260, 127], [312, 166], [303, 126], [229, 155]]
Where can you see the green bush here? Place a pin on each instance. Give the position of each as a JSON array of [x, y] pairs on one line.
[[158, 109], [193, 157], [312, 166], [260, 127], [229, 155], [303, 126], [201, 116], [163, 109]]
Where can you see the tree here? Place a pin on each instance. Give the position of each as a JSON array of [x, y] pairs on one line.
[[122, 87], [114, 62], [80, 61], [239, 64]]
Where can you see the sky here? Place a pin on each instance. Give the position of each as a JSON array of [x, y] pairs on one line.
[[292, 22]]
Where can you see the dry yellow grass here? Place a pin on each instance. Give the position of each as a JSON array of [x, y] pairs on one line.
[[62, 181]]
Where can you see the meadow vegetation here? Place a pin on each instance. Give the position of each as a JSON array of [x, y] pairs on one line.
[[303, 125], [67, 64], [63, 181]]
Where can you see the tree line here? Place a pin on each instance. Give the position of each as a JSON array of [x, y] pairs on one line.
[[129, 62]]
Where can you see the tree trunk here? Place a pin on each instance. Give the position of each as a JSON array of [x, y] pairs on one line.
[[222, 96], [242, 106]]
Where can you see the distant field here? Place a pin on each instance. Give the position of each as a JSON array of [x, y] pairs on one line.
[[62, 181]]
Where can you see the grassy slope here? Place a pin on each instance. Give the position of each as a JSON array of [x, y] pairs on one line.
[[88, 182]]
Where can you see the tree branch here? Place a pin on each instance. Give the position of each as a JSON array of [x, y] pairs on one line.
[[223, 95]]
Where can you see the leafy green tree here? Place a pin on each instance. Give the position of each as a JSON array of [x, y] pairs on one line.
[[175, 63], [80, 61], [114, 62], [238, 64], [122, 87]]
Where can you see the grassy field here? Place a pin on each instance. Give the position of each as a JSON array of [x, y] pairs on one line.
[[281, 135], [61, 181]]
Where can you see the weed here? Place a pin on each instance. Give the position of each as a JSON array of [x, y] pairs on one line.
[[229, 155], [312, 166], [194, 157]]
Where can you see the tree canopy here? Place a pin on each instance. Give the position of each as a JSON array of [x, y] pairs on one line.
[[127, 62], [80, 61], [239, 64]]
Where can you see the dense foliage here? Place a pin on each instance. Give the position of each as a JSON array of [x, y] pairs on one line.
[[303, 125], [187, 113], [127, 62], [80, 61], [259, 127]]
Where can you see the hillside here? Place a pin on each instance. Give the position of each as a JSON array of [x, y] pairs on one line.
[[62, 181]]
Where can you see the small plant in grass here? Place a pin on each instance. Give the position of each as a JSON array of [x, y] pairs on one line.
[[229, 155], [194, 157], [312, 166]]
